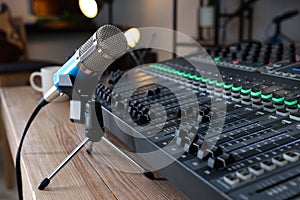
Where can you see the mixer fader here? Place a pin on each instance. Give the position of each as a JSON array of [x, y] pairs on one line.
[[247, 116]]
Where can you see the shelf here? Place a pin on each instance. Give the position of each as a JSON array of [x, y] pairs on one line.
[[61, 27]]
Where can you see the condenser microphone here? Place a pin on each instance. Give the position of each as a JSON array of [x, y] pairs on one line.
[[98, 52]]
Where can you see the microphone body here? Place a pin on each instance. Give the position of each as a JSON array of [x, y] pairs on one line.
[[98, 52], [70, 68]]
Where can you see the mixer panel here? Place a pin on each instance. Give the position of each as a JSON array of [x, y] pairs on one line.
[[232, 133]]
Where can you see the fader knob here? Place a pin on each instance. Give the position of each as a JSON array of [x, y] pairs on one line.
[[221, 161]]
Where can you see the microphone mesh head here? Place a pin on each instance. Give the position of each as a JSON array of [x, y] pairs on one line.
[[111, 45]]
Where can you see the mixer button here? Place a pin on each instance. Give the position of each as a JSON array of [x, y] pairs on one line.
[[268, 165], [205, 118], [291, 156], [285, 74], [244, 174], [266, 102], [276, 65], [156, 90], [295, 116], [215, 151], [195, 146], [231, 179], [280, 161], [150, 92], [292, 109], [221, 161], [293, 75], [279, 105], [282, 112], [292, 57], [269, 108], [246, 101], [257, 104], [256, 170], [181, 133], [203, 154]]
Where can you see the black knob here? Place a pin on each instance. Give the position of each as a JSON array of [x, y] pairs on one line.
[[292, 57], [150, 92], [221, 161], [156, 90]]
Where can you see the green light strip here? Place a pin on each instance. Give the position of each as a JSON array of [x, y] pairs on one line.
[[299, 106], [193, 76], [186, 75], [266, 96], [228, 86], [278, 100], [198, 78], [290, 103], [238, 88], [205, 79], [217, 59], [220, 84], [256, 94], [246, 91], [212, 81]]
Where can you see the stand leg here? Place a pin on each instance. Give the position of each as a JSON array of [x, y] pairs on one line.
[[89, 149], [46, 181], [148, 174]]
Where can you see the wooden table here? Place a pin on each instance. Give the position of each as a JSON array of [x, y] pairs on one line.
[[51, 137]]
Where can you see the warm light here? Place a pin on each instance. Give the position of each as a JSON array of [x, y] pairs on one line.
[[89, 8], [133, 37]]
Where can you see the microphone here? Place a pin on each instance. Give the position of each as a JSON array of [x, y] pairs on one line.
[[98, 52], [285, 16]]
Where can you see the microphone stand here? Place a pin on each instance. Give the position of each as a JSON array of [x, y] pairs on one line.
[[278, 35], [94, 127], [93, 131]]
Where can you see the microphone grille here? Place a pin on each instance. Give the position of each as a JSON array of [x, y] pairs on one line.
[[111, 45]]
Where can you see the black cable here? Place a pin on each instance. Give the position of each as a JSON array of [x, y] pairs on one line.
[[40, 104]]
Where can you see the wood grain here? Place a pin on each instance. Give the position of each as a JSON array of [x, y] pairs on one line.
[[106, 174]]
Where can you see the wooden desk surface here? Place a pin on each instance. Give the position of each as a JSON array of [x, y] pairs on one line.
[[51, 137]]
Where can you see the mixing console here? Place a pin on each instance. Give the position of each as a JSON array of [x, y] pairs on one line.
[[246, 117]]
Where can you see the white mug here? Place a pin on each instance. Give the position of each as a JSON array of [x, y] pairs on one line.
[[46, 76]]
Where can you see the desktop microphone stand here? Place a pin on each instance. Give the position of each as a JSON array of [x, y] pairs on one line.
[[83, 111], [85, 107], [278, 36]]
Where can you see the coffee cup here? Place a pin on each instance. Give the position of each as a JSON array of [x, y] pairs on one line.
[[46, 76]]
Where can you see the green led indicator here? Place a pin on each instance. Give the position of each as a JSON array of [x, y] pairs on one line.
[[186, 75], [168, 70], [220, 84], [198, 78], [212, 81], [238, 88], [217, 59], [178, 73], [246, 91], [205, 79], [290, 103], [155, 66], [299, 106], [256, 94], [278, 100], [266, 96], [193, 76], [181, 73], [174, 71], [228, 86]]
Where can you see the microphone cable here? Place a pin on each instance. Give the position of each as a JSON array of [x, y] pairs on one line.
[[42, 102]]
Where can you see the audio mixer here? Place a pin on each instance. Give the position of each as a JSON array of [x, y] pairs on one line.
[[233, 134]]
